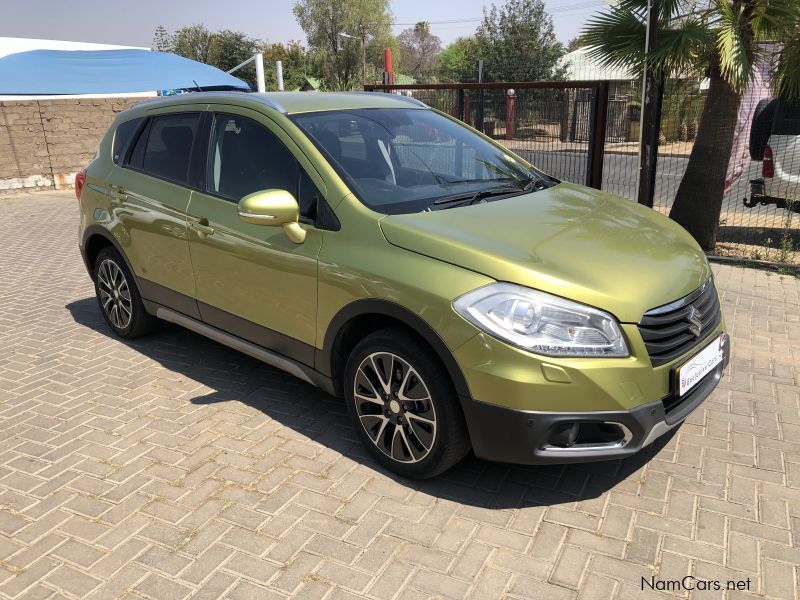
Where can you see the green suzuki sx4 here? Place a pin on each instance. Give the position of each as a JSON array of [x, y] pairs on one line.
[[455, 296]]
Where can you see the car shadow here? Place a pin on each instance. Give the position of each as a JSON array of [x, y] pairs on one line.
[[226, 375]]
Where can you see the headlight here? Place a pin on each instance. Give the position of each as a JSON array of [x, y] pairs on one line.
[[540, 322]]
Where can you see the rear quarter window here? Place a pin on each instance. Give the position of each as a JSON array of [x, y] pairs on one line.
[[122, 138], [164, 148]]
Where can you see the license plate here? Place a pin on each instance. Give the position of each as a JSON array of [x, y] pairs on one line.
[[701, 364]]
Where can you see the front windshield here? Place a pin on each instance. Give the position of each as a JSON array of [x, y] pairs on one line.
[[399, 160]]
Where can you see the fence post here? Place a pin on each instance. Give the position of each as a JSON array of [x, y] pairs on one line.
[[467, 111], [650, 125], [479, 117], [510, 116], [650, 120], [597, 136], [460, 104]]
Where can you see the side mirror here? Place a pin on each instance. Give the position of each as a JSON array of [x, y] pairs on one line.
[[275, 208]]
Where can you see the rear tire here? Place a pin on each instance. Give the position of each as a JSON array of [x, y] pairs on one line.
[[118, 297], [404, 406]]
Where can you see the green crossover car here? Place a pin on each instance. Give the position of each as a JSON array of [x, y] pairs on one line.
[[454, 295]]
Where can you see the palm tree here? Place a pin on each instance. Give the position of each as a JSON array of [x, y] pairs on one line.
[[722, 40]]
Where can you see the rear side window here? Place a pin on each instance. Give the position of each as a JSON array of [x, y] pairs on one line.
[[165, 147], [122, 137]]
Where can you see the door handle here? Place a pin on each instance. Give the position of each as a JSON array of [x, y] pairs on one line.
[[202, 227], [119, 193]]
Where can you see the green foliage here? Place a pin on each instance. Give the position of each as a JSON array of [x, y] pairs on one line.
[[617, 39], [336, 59], [518, 43], [162, 40], [721, 38], [230, 48], [457, 60], [226, 49], [293, 56], [192, 42], [787, 79], [575, 43]]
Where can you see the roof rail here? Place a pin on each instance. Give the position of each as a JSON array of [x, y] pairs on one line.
[[408, 99], [262, 97]]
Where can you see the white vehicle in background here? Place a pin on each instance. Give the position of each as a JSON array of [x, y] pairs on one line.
[[775, 141]]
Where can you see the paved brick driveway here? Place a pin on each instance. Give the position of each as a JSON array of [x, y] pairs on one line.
[[173, 467]]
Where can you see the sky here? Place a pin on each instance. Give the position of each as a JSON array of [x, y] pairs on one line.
[[133, 23]]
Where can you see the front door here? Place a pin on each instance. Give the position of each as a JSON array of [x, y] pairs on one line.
[[150, 184], [252, 280]]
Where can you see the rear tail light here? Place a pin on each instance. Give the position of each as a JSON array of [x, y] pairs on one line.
[[80, 181], [768, 165]]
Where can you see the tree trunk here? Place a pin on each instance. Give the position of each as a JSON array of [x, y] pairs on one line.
[[698, 200]]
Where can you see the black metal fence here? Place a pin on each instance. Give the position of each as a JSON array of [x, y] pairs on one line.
[[550, 124], [587, 132]]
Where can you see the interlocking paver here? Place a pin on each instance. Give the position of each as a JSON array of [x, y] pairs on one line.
[[174, 467]]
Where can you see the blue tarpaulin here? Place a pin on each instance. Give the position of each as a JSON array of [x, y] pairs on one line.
[[44, 72]]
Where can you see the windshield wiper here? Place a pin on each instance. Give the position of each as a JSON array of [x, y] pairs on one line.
[[534, 184], [472, 197]]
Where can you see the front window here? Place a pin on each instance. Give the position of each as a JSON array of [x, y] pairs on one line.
[[399, 160]]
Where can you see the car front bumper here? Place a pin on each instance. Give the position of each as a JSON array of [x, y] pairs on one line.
[[520, 435]]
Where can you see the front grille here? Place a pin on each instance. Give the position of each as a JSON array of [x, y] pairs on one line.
[[675, 328]]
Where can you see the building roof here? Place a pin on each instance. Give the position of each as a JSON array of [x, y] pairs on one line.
[[581, 67], [292, 102], [118, 72]]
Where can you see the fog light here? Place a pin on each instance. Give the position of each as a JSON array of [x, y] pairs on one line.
[[564, 435], [588, 436]]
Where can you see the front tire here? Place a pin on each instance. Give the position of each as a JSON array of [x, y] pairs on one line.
[[404, 406], [118, 297]]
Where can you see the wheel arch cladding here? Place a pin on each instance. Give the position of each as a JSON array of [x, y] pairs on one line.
[[95, 238], [362, 317]]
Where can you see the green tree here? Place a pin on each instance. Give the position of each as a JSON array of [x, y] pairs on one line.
[[457, 61], [293, 58], [192, 42], [518, 43], [575, 43], [719, 40], [227, 48], [419, 50], [162, 40], [337, 59]]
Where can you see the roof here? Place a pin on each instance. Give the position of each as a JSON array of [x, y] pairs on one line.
[[13, 45], [292, 102], [66, 72], [581, 67]]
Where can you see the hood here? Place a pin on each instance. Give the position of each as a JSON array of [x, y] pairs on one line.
[[567, 240]]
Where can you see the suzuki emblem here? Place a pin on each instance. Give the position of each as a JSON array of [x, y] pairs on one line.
[[695, 324]]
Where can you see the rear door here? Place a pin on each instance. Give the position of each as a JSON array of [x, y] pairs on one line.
[[252, 280], [151, 189]]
